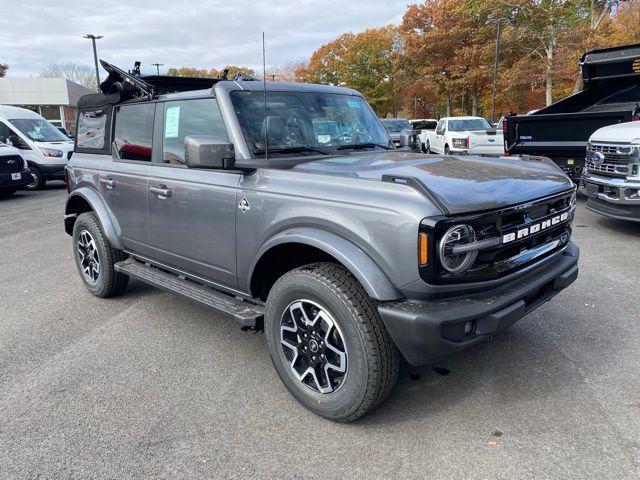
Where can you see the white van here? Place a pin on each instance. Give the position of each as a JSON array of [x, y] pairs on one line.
[[42, 145]]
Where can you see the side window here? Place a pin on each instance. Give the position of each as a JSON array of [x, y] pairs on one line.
[[440, 129], [92, 130], [5, 133], [133, 133], [189, 117]]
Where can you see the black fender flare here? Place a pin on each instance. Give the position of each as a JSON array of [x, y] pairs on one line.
[[369, 274]]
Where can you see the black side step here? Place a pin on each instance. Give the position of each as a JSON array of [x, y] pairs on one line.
[[246, 314]]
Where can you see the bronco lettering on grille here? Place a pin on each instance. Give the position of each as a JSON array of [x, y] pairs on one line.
[[535, 228]]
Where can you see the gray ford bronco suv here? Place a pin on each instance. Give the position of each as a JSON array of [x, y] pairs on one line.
[[287, 207]]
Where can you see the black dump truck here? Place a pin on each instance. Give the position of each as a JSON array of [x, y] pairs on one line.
[[610, 95]]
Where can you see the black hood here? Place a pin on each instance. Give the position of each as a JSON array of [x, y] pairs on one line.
[[460, 184]]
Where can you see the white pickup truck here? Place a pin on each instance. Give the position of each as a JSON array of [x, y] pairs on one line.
[[611, 175], [465, 136]]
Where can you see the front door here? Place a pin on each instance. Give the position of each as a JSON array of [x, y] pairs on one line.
[[192, 211], [123, 180], [438, 144]]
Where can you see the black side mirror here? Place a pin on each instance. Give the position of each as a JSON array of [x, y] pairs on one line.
[[206, 151], [405, 138], [18, 143]]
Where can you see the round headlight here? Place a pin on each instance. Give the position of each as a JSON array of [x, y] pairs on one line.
[[457, 262]]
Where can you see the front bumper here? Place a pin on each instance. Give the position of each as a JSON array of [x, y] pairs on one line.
[[612, 197], [6, 180], [53, 171], [427, 330]]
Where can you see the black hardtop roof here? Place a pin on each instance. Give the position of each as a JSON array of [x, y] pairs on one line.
[[139, 88]]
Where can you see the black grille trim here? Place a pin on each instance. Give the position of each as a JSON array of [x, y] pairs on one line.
[[498, 262], [11, 164]]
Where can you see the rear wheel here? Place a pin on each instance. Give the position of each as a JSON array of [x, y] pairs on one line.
[[38, 182], [95, 258], [7, 192], [328, 343]]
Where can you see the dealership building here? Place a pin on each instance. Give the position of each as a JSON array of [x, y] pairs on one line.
[[53, 98]]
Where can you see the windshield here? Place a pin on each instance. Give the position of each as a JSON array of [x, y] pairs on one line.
[[306, 123], [396, 126], [39, 130], [468, 124]]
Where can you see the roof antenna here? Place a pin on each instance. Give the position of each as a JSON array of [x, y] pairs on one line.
[[264, 90]]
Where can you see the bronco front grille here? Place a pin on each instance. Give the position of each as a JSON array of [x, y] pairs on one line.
[[507, 258]]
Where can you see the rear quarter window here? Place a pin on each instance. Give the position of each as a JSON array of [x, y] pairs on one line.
[[93, 131]]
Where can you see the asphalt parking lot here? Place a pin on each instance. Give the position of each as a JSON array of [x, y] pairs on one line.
[[150, 385]]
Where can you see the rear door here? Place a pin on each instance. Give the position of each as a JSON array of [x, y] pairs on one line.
[[192, 211], [123, 179]]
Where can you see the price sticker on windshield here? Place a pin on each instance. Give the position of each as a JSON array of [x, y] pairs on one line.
[[353, 103]]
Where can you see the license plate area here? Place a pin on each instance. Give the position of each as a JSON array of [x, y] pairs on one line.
[[16, 176]]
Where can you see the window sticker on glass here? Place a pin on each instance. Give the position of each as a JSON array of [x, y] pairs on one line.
[[353, 103], [172, 122]]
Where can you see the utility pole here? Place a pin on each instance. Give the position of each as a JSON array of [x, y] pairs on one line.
[[158, 65], [498, 22], [93, 39]]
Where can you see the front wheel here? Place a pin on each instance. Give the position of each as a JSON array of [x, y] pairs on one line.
[[328, 343], [95, 258], [447, 151], [37, 179]]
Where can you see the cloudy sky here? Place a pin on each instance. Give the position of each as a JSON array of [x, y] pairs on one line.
[[203, 34]]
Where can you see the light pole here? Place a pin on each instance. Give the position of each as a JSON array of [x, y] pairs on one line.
[[158, 65], [93, 39], [498, 22]]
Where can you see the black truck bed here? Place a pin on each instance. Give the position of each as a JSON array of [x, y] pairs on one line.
[[610, 95]]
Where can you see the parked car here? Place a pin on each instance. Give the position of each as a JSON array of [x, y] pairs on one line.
[[45, 149], [399, 127], [465, 136], [347, 252], [421, 126], [610, 95], [611, 177], [14, 172]]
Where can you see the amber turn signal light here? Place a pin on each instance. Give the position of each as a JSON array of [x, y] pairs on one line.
[[423, 244]]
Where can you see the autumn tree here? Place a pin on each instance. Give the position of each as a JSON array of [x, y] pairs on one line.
[[81, 74], [363, 61], [625, 27], [3, 69], [212, 73]]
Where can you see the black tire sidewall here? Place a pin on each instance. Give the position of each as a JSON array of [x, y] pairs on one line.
[[88, 223], [345, 400], [39, 180]]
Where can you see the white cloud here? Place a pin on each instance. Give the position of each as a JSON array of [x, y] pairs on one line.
[[203, 34]]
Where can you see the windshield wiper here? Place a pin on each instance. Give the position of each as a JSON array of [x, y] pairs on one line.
[[301, 149], [362, 146]]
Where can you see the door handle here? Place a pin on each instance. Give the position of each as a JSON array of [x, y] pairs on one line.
[[108, 182], [162, 191]]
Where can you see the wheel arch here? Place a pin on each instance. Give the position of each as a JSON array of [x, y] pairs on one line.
[[300, 246], [85, 200]]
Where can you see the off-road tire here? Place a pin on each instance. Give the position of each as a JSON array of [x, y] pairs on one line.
[[7, 192], [109, 282], [38, 179], [372, 358]]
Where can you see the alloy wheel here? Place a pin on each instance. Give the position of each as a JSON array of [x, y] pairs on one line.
[[89, 258], [314, 346]]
